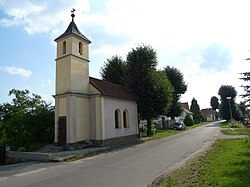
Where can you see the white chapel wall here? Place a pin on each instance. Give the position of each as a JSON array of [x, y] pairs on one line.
[[110, 105]]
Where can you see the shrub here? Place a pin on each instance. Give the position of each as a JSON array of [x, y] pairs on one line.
[[26, 122], [188, 121]]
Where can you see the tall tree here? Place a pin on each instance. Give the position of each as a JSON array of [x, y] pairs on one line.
[[214, 102], [243, 110], [227, 96], [246, 78], [180, 87], [114, 70], [151, 88], [27, 121], [195, 109]]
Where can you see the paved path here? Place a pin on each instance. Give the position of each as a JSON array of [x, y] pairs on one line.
[[138, 165]]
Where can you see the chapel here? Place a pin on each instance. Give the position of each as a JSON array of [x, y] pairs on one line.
[[88, 111]]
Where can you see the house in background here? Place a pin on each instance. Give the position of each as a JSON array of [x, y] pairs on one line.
[[186, 111], [209, 114], [88, 110]]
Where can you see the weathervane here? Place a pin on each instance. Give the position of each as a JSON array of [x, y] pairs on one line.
[[73, 14]]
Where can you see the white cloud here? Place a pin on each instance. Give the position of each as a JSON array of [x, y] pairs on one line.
[[17, 71], [205, 83], [40, 16]]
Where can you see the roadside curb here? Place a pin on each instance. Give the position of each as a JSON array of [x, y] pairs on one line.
[[79, 155]]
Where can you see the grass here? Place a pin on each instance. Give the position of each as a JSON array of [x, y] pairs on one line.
[[165, 133], [226, 164], [225, 125], [235, 125], [238, 129]]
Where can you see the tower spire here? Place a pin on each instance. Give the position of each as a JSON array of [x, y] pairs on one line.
[[73, 14]]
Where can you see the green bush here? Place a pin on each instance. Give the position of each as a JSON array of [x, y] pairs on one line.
[[188, 121], [26, 122]]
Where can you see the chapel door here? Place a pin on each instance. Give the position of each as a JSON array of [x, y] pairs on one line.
[[62, 131]]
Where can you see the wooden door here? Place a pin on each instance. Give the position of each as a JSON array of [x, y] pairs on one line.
[[62, 131]]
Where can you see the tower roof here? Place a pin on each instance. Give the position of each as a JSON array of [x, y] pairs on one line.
[[72, 29]]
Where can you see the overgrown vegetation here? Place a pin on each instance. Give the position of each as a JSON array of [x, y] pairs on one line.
[[27, 122]]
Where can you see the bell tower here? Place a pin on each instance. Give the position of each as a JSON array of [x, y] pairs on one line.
[[72, 61], [72, 86]]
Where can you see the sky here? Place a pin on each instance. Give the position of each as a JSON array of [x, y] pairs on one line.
[[207, 40]]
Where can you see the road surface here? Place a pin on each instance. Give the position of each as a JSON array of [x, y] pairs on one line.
[[136, 166]]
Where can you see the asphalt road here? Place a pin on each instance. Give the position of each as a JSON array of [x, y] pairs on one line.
[[138, 165]]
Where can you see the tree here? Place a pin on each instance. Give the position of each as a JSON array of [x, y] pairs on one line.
[[246, 77], [214, 102], [242, 110], [195, 109], [114, 70], [151, 88], [180, 87], [226, 92], [27, 121]]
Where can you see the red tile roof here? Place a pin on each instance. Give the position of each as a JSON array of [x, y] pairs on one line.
[[208, 111], [110, 89]]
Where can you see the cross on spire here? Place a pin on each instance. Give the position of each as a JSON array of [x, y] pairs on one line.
[[73, 13]]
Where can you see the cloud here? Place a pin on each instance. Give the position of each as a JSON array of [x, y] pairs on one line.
[[206, 68], [17, 71], [40, 16]]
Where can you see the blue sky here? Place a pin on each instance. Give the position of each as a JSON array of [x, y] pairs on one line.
[[207, 40]]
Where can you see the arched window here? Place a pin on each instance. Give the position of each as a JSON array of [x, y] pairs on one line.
[[125, 119], [64, 47], [117, 119], [80, 48]]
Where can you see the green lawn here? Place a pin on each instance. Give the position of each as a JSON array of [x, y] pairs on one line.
[[235, 125], [238, 131]]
